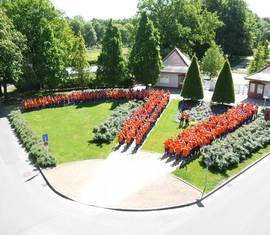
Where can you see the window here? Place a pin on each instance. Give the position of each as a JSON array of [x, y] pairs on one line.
[[252, 87], [260, 88], [165, 80]]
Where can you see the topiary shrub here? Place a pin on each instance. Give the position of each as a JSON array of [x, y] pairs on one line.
[[192, 88], [224, 89]]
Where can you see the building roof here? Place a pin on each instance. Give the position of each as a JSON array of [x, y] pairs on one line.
[[263, 75], [175, 62]]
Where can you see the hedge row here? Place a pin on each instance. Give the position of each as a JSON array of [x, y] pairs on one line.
[[30, 141], [108, 130], [237, 146]]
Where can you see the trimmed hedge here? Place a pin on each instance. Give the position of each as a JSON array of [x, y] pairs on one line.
[[30, 141], [237, 146], [108, 130]]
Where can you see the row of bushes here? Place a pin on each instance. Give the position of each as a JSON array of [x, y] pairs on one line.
[[237, 146], [30, 141], [108, 130]]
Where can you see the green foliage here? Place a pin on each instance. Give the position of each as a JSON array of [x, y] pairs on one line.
[[182, 23], [32, 144], [238, 146], [49, 39], [192, 88], [237, 35], [224, 89], [259, 59], [80, 62], [12, 45], [112, 69], [213, 60], [145, 61], [107, 131]]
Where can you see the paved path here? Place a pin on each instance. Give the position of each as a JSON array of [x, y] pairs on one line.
[[30, 208], [124, 180]]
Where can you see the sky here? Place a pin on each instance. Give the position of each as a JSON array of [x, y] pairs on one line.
[[119, 9]]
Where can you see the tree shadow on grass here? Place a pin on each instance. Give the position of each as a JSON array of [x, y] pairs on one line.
[[114, 104], [98, 144], [214, 170]]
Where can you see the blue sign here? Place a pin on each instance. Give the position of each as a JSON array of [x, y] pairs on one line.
[[45, 138]]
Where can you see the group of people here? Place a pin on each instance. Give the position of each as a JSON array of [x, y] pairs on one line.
[[80, 97], [183, 119], [141, 121], [190, 141]]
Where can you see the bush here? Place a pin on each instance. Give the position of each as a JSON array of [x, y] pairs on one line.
[[108, 130], [237, 146], [29, 140]]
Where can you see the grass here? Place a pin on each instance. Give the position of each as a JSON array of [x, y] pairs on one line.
[[166, 128], [94, 53], [70, 130], [194, 172]]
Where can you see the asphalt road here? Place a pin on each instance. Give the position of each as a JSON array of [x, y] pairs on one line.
[[29, 207]]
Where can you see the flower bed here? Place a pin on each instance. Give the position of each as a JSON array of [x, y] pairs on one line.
[[191, 140], [140, 123]]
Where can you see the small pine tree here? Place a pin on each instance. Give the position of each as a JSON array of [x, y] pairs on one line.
[[145, 61], [213, 60], [192, 88], [224, 90], [112, 69]]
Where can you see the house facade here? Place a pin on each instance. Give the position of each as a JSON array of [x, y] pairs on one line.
[[259, 84], [175, 67]]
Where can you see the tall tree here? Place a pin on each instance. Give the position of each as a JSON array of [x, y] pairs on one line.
[[182, 23], [192, 87], [224, 90], [12, 44], [236, 35], [213, 60], [49, 39], [80, 62], [89, 34], [112, 70], [145, 61]]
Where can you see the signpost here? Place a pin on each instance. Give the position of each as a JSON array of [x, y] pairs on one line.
[[207, 162]]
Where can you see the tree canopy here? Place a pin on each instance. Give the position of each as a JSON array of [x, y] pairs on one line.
[[182, 23], [145, 61], [12, 45], [213, 60]]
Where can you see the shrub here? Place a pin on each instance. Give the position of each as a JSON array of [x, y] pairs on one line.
[[237, 146], [29, 140], [108, 130]]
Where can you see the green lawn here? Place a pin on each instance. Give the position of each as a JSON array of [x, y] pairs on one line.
[[166, 128], [194, 172], [94, 53], [70, 130]]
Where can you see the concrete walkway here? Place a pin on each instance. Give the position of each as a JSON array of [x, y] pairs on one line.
[[124, 180]]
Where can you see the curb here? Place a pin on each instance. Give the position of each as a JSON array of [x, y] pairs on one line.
[[161, 208]]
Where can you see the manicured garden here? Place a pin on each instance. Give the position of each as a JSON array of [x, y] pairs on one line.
[[70, 130]]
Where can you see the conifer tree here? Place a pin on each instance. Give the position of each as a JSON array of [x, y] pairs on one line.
[[112, 69], [145, 61], [224, 90], [192, 88]]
